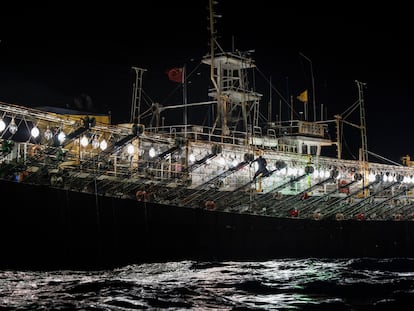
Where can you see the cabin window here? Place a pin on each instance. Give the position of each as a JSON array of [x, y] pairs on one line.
[[313, 150], [304, 149]]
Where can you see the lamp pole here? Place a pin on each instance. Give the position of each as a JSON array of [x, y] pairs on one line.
[[313, 85]]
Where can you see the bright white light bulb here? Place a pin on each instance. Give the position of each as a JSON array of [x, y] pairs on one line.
[[103, 145], [152, 152], [48, 134], [2, 125], [95, 143], [84, 141], [35, 132], [130, 149], [61, 137], [12, 127], [235, 163]]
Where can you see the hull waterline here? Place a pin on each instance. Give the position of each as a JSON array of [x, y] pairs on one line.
[[46, 228]]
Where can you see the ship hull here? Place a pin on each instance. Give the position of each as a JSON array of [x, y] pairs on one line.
[[51, 228]]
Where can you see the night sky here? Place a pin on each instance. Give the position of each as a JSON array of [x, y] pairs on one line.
[[59, 54]]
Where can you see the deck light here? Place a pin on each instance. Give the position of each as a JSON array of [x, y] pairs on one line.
[[35, 132], [130, 149], [48, 134], [61, 137], [152, 152], [12, 127], [84, 141], [235, 162], [95, 143], [2, 125], [103, 145]]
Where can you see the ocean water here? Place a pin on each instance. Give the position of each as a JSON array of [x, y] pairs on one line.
[[288, 284]]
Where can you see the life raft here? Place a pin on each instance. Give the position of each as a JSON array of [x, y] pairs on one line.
[[339, 216], [317, 216], [294, 213], [360, 216], [210, 205], [398, 217], [142, 195], [342, 188]]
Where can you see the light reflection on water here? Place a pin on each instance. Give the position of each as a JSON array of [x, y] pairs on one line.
[[289, 284]]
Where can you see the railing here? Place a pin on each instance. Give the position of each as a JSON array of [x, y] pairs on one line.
[[298, 127]]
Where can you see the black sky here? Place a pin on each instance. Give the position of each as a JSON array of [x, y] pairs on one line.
[[52, 53]]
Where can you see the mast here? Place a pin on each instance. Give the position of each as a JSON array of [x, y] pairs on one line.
[[185, 102], [136, 96], [364, 144], [237, 106], [212, 47], [363, 128], [338, 136]]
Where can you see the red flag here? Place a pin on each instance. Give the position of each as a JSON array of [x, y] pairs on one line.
[[175, 74]]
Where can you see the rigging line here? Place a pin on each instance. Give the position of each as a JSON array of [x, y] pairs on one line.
[[147, 96], [147, 100], [262, 117], [273, 88], [277, 91], [254, 80], [303, 68], [219, 46], [383, 158], [349, 110], [348, 149]]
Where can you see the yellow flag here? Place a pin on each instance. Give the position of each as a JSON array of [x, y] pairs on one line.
[[303, 97]]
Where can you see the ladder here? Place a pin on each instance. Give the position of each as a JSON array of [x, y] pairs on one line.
[[136, 96]]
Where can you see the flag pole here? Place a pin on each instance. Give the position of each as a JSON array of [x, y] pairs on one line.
[[305, 107], [184, 82], [313, 85]]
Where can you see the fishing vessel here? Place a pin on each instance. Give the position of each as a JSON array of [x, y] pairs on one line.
[[80, 192]]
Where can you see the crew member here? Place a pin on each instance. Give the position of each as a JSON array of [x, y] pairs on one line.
[[262, 170]]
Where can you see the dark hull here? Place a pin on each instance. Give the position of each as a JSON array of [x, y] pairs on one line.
[[47, 228]]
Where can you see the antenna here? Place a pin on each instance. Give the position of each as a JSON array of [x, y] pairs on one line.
[[313, 85], [269, 110]]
